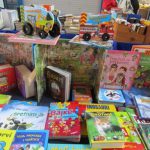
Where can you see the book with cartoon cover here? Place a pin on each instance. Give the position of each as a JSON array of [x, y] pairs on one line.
[[22, 117], [104, 130], [6, 138], [119, 69], [111, 96], [35, 140]]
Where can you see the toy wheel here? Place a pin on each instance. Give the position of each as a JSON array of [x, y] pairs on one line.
[[42, 34], [86, 37], [27, 28], [105, 37], [55, 31]]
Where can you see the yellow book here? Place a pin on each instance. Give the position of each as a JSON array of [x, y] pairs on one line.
[[6, 138]]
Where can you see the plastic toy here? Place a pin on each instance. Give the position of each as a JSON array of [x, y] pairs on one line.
[[92, 25], [40, 20]]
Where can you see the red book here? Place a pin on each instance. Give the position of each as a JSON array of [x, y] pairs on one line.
[[7, 78]]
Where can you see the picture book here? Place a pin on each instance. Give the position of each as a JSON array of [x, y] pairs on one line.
[[142, 79], [104, 130], [4, 99], [6, 138], [143, 106], [58, 83], [81, 94], [7, 78], [129, 130], [22, 117], [145, 132], [119, 69], [25, 85], [111, 96], [63, 124], [69, 147], [35, 140]]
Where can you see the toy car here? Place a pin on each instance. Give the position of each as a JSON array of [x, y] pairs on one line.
[[37, 19]]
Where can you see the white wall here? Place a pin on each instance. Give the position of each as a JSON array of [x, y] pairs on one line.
[[70, 6], [1, 4]]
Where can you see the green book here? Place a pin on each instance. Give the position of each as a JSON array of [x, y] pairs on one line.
[[4, 99]]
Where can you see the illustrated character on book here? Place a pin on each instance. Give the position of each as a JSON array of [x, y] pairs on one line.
[[105, 128], [112, 95], [14, 124]]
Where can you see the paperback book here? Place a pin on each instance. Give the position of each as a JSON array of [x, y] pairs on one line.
[[22, 117], [58, 83], [35, 140], [111, 96], [6, 138], [104, 130], [119, 69]]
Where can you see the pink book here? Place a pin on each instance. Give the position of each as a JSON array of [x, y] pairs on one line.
[[21, 38], [119, 69]]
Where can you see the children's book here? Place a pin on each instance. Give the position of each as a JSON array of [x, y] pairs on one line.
[[7, 78], [143, 106], [119, 69], [104, 130], [111, 96], [142, 78], [145, 132], [130, 133], [128, 98], [22, 117], [34, 140], [69, 147], [63, 124], [81, 94], [20, 102], [26, 87], [6, 138], [58, 83]]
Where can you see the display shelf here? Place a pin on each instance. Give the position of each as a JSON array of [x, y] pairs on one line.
[[21, 38]]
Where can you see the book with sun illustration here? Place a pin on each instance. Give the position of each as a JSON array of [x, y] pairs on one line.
[[104, 130], [119, 69], [22, 117], [111, 96]]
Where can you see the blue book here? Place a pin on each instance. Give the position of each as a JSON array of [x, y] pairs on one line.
[[69, 147], [31, 140], [22, 117], [128, 98], [111, 96], [19, 102], [143, 106]]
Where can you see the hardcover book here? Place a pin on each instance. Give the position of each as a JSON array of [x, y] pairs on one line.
[[111, 96], [63, 124], [7, 78], [6, 138], [119, 69], [22, 117], [35, 140], [104, 130], [58, 83], [143, 106], [25, 85]]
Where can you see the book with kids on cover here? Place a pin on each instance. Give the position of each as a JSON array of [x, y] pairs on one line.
[[22, 117], [6, 138], [35, 140], [119, 69], [111, 96], [104, 130]]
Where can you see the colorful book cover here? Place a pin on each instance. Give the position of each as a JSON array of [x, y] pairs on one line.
[[143, 106], [69, 147], [112, 96], [142, 78], [145, 131], [63, 124], [22, 117], [130, 133], [119, 69], [30, 140], [6, 138], [104, 130]]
